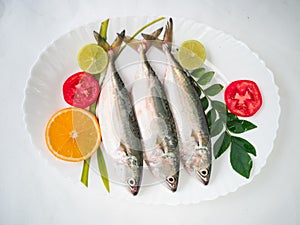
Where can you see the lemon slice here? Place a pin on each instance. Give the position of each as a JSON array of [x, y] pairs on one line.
[[191, 54], [92, 58]]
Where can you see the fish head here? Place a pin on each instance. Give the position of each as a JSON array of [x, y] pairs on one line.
[[172, 181], [202, 167], [133, 175], [132, 185], [166, 161], [170, 171]]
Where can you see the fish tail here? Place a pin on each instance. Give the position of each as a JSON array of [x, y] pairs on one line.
[[115, 45], [167, 40], [153, 36], [152, 39], [135, 44], [168, 36], [156, 33], [101, 41]]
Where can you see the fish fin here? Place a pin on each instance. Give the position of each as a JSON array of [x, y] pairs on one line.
[[168, 36], [101, 41], [123, 148], [195, 136], [161, 143]]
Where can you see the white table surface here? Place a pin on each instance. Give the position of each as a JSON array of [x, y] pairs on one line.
[[34, 193]]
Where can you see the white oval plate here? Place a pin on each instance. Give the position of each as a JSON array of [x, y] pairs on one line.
[[231, 59]]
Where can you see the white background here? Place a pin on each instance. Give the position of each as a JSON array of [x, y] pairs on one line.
[[32, 193]]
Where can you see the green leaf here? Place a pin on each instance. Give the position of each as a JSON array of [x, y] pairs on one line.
[[222, 144], [211, 117], [219, 106], [198, 89], [227, 117], [204, 102], [97, 76], [195, 85], [213, 90], [206, 78], [238, 126], [216, 128], [231, 116], [240, 161], [223, 116], [92, 107], [102, 169], [85, 172], [244, 145], [198, 72]]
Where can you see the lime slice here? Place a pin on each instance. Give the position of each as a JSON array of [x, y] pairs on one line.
[[191, 54], [92, 58]]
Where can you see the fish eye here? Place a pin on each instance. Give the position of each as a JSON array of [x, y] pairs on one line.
[[204, 172], [131, 181], [171, 179]]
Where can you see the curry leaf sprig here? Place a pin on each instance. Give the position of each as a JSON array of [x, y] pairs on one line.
[[225, 124]]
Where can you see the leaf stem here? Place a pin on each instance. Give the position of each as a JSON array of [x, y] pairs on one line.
[[140, 30], [147, 25]]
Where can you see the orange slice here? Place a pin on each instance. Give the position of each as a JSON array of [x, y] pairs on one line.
[[73, 134]]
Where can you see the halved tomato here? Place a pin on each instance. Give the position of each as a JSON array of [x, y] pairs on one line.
[[243, 98], [81, 90]]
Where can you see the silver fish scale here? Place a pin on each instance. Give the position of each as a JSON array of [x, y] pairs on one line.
[[196, 157], [185, 83], [163, 158], [121, 136], [132, 136]]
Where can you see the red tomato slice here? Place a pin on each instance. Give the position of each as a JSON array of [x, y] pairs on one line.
[[81, 90], [243, 98]]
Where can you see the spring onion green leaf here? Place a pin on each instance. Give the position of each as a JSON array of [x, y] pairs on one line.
[[102, 169]]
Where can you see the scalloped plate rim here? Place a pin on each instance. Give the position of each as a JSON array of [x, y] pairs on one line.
[[52, 43]]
